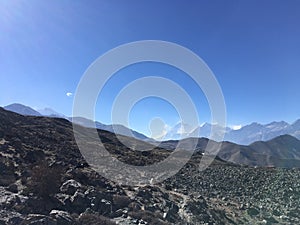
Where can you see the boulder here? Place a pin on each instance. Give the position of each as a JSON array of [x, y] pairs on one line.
[[8, 199], [38, 219], [79, 202], [10, 217], [13, 188], [70, 187], [62, 217]]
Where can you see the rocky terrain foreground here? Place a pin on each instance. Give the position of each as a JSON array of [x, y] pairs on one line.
[[45, 180]]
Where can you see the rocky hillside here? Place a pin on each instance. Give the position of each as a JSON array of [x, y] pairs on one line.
[[45, 180]]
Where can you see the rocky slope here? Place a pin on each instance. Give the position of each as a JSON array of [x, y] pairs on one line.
[[282, 151], [45, 180]]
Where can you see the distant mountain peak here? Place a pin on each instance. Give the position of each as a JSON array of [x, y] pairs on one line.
[[50, 112], [296, 123], [22, 109]]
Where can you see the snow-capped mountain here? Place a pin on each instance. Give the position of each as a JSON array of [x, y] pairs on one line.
[[206, 128], [294, 129], [180, 131], [258, 132], [183, 130], [246, 134], [51, 113]]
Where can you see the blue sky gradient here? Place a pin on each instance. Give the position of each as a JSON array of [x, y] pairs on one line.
[[253, 48]]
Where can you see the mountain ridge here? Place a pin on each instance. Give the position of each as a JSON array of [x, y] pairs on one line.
[[246, 135], [282, 151], [249, 133], [120, 129]]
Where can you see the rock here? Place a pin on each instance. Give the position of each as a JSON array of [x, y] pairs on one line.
[[171, 215], [242, 207], [141, 222], [70, 186], [10, 217], [88, 218], [120, 201], [79, 202], [13, 188], [118, 213], [145, 194], [62, 217], [271, 220], [252, 212], [38, 219], [168, 187], [105, 207], [36, 205], [8, 200], [224, 199], [134, 206]]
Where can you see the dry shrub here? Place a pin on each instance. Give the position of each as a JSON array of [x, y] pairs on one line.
[[121, 201], [45, 181]]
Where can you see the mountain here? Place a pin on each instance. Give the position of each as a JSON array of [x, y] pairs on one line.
[[116, 128], [295, 129], [258, 132], [246, 134], [45, 180], [205, 129], [28, 111], [188, 144], [183, 130], [22, 109], [243, 136], [282, 151], [122, 130], [179, 131], [51, 113]]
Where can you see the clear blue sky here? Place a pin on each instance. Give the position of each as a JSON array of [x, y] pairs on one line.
[[253, 48]]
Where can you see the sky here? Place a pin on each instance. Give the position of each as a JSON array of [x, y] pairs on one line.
[[252, 47]]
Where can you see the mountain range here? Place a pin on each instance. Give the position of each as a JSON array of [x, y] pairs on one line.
[[281, 151], [116, 128], [243, 136], [246, 135]]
